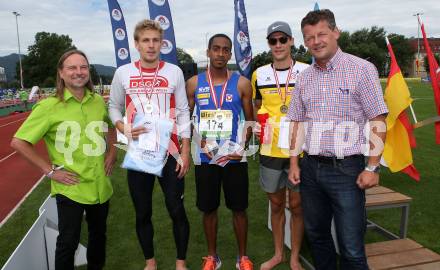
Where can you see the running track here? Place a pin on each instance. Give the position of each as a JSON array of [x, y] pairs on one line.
[[17, 175]]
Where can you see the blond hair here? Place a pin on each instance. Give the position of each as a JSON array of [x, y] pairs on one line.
[[147, 25]]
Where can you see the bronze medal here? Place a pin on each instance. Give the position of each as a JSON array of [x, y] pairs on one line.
[[284, 108]]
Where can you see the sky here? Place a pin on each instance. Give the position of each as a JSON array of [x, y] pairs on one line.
[[87, 22]]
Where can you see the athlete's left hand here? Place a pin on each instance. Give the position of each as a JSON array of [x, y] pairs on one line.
[[109, 163], [182, 166], [233, 156]]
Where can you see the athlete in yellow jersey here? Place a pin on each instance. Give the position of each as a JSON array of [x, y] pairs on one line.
[[272, 87]]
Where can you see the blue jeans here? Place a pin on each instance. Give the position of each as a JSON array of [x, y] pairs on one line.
[[329, 190]]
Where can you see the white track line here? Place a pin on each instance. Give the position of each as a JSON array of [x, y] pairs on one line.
[[21, 201], [3, 159], [12, 122]]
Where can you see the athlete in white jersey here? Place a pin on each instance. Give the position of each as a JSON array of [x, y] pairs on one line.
[[155, 89]]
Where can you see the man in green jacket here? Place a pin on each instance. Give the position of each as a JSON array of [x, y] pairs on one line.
[[73, 124]]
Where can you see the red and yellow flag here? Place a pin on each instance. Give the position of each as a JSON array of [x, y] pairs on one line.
[[400, 138], [434, 73]]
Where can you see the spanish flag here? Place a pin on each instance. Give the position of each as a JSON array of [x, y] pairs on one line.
[[434, 73], [400, 138]]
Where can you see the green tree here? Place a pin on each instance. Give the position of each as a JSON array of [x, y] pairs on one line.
[[261, 59], [301, 54], [370, 45], [183, 57], [403, 51], [344, 40], [39, 66], [94, 75], [426, 62]]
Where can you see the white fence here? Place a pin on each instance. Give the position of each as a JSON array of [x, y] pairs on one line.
[[37, 249]]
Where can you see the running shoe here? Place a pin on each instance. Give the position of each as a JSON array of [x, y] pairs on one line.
[[211, 263], [244, 263]]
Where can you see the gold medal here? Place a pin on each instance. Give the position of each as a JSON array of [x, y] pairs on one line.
[[284, 108]]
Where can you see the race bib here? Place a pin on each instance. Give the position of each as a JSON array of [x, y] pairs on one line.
[[283, 136], [216, 123]]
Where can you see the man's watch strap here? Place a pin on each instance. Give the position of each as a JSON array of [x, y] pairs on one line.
[[49, 174], [372, 168]]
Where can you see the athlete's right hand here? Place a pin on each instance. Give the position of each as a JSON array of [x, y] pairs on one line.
[[134, 133], [130, 132], [294, 173], [205, 148], [65, 177]]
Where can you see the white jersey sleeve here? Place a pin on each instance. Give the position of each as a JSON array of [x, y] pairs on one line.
[[117, 98], [182, 107]]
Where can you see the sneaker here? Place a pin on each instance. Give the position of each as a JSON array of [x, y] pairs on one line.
[[244, 263], [211, 263]]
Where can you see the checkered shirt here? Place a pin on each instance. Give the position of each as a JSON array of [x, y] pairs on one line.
[[335, 104]]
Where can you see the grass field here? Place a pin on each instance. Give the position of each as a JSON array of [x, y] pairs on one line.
[[124, 251]]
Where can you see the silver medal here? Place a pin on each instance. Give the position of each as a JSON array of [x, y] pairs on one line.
[[148, 108], [220, 117]]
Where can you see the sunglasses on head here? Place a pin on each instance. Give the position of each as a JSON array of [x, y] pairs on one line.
[[274, 41]]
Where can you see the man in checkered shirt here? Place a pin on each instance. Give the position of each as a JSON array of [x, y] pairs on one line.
[[334, 100]]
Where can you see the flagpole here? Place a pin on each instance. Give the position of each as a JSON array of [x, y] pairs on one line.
[[418, 41], [413, 113]]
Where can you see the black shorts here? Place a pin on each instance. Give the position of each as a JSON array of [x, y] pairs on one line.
[[235, 180]]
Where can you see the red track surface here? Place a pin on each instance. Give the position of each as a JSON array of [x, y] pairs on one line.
[[17, 175]]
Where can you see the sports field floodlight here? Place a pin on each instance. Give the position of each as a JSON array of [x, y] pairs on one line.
[[16, 14]]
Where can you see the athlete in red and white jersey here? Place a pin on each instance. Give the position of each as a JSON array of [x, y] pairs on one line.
[[154, 88], [134, 91]]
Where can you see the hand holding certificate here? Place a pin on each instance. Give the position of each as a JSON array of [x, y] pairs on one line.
[[148, 153], [228, 150]]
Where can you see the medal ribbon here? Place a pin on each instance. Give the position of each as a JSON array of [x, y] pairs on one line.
[[283, 99], [153, 83], [212, 90]]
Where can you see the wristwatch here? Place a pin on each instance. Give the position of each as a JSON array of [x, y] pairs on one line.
[[49, 174], [372, 168]]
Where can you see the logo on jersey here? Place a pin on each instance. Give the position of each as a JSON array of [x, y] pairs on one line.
[[204, 95], [147, 82], [293, 76], [203, 102], [229, 97], [167, 46], [163, 21], [204, 89], [116, 14]]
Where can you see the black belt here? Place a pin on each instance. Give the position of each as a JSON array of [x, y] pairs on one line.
[[331, 160]]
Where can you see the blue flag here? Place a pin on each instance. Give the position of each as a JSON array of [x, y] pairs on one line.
[[160, 11], [122, 51], [316, 7], [242, 44]]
